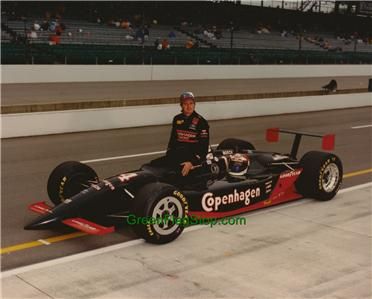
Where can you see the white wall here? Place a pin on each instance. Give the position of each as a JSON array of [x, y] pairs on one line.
[[97, 73], [41, 123]]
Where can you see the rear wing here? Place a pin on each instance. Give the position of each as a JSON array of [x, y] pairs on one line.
[[328, 140]]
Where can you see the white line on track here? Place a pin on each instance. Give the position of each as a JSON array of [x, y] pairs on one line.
[[123, 157], [361, 127], [44, 242], [129, 156], [131, 243]]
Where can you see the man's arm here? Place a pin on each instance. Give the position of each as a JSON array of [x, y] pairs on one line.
[[203, 140], [201, 149], [173, 136]]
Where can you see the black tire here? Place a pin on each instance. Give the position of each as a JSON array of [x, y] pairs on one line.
[[147, 205], [68, 179], [321, 177], [235, 144]]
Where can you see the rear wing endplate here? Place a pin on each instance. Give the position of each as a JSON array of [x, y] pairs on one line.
[[328, 140]]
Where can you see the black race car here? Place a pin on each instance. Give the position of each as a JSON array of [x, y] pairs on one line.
[[83, 201]]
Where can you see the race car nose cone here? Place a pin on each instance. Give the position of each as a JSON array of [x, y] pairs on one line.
[[43, 222]]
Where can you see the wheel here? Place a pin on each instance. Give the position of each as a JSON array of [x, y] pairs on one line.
[[68, 179], [159, 209], [321, 176], [235, 144]]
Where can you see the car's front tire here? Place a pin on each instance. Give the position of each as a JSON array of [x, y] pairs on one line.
[[321, 177], [159, 210], [68, 179]]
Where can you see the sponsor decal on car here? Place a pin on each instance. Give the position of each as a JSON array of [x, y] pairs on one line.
[[267, 202], [109, 184], [268, 186], [212, 203], [95, 186], [149, 230], [126, 177], [61, 188], [183, 199], [227, 152], [290, 174], [322, 170], [84, 225], [215, 169]]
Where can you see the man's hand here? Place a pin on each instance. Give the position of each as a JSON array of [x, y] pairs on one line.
[[187, 166]]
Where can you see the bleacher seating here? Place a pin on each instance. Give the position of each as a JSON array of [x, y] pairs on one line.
[[85, 41], [84, 32], [245, 39], [338, 43], [5, 37]]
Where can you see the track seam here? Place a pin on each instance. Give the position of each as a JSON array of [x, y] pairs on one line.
[[31, 285]]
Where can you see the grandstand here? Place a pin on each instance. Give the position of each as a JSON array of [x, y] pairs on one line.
[[85, 32], [196, 32]]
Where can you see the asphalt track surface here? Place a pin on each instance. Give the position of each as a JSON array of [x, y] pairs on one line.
[[27, 162]]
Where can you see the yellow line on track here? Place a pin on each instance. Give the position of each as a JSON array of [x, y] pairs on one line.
[[80, 234], [40, 243], [355, 173]]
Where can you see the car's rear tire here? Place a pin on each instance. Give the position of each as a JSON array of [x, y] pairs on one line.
[[235, 144], [154, 202], [321, 177], [68, 179]]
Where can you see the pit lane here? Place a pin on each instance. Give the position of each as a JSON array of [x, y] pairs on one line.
[[27, 162]]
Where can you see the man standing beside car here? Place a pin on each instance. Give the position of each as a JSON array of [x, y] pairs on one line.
[[189, 141]]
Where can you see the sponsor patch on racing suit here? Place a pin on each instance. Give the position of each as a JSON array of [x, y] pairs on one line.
[[189, 138]]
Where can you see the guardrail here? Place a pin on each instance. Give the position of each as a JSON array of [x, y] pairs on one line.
[[111, 73], [55, 122], [123, 54]]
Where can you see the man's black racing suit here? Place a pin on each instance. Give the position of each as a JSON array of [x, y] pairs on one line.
[[189, 140]]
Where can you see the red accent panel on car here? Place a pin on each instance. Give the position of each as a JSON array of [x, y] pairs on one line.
[[88, 226], [40, 207], [283, 186], [328, 142], [272, 135], [284, 191], [266, 203]]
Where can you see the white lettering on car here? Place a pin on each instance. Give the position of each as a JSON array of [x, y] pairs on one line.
[[212, 203], [290, 174], [83, 224], [109, 184], [125, 177]]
